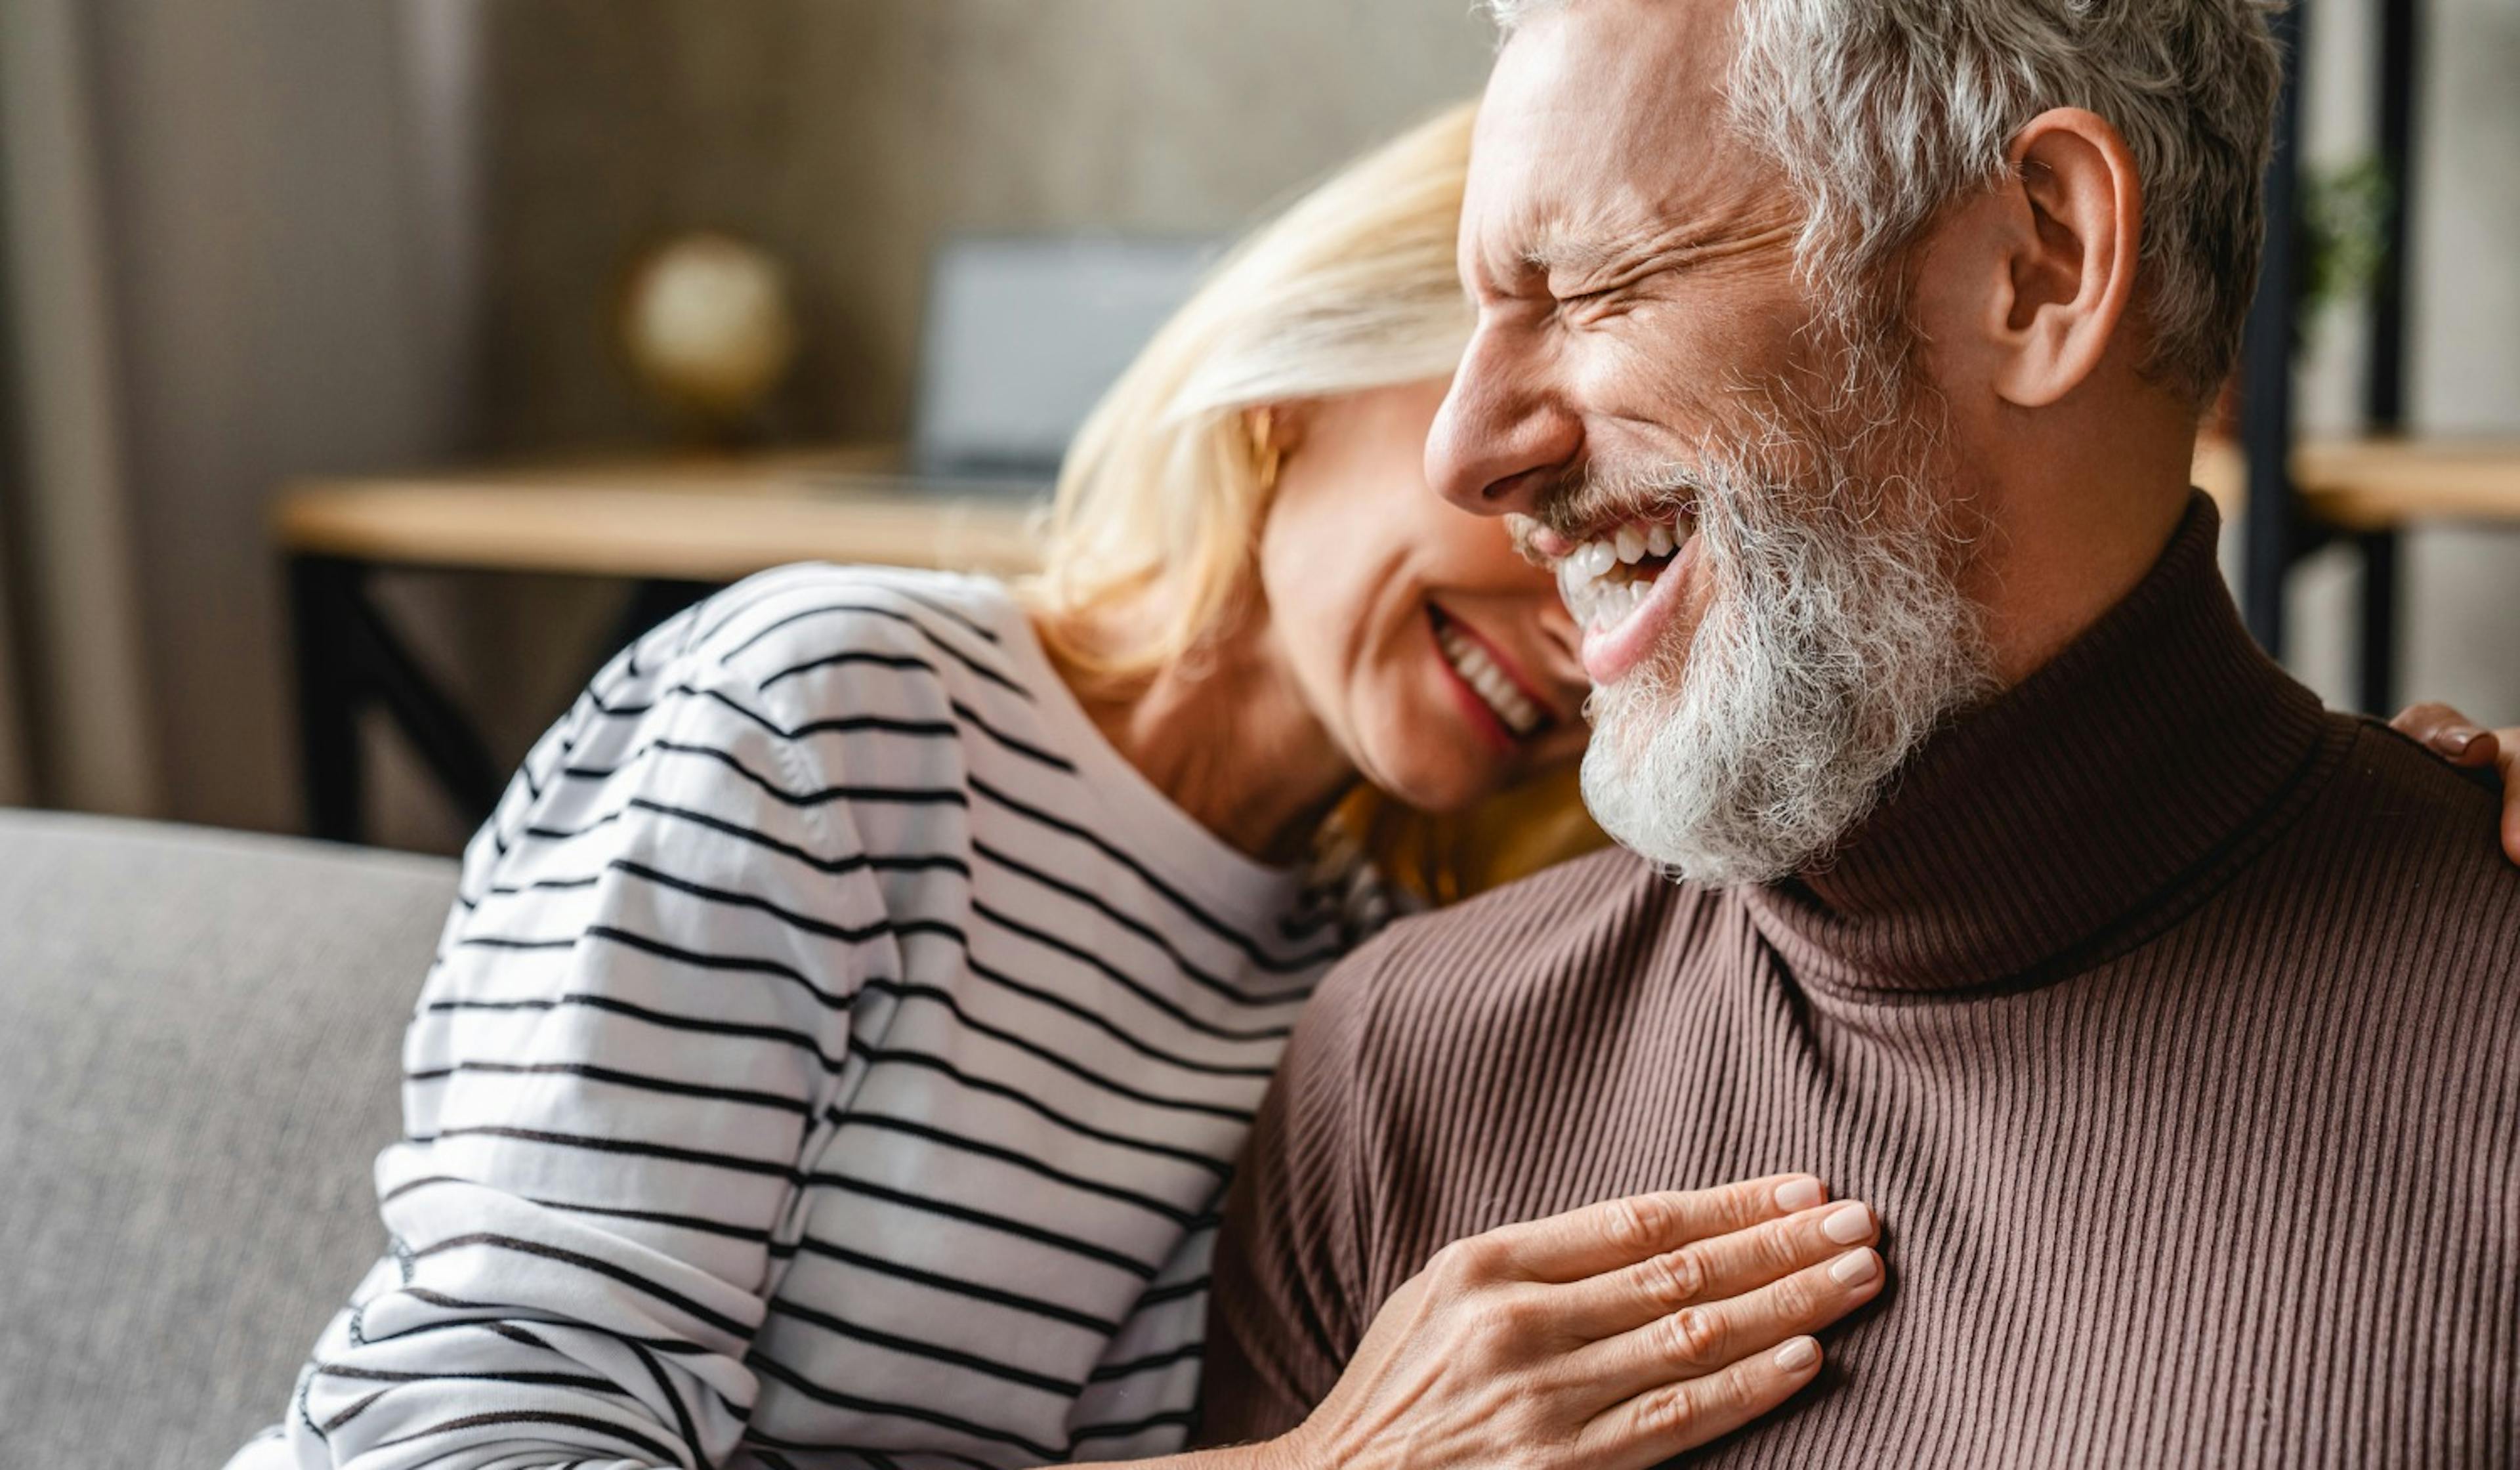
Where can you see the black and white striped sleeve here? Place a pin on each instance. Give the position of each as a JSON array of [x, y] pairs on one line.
[[633, 1036]]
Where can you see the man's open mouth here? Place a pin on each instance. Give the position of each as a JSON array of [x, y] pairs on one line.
[[1609, 576]]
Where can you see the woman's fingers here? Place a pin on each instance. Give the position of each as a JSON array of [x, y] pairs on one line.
[[1673, 1418], [1701, 1341], [2461, 741], [2447, 734], [1552, 1339], [1713, 1270], [1620, 1232]]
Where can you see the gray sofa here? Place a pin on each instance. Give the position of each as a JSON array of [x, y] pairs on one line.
[[198, 1060]]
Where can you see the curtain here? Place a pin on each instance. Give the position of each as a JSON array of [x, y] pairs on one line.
[[17, 773], [73, 719]]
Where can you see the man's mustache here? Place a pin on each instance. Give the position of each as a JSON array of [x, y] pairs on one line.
[[1585, 499]]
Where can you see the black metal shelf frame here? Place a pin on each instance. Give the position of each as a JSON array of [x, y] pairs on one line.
[[2277, 533]]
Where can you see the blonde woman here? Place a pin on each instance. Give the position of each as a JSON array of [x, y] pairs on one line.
[[852, 1014]]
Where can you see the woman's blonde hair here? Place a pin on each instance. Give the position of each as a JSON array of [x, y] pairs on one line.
[[1149, 544]]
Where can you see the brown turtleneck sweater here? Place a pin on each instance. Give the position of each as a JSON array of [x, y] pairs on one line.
[[2172, 1025]]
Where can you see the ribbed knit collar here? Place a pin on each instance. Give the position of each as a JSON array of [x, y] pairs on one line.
[[2073, 815]]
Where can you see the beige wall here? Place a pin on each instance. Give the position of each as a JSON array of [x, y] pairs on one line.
[[851, 135]]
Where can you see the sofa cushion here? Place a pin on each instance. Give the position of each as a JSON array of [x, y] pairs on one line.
[[198, 1037]]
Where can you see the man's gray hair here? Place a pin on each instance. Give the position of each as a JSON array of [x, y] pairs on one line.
[[1883, 112]]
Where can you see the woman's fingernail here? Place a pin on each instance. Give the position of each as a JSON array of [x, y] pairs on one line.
[[1798, 1354], [1854, 1269], [2458, 737], [1847, 1224], [1799, 1194]]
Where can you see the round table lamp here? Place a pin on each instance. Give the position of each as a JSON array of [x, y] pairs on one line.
[[709, 328]]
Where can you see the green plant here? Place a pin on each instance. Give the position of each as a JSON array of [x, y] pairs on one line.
[[2343, 234]]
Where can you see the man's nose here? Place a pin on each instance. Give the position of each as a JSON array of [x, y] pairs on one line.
[[1503, 436]]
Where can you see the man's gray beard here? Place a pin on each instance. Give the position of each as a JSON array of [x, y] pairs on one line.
[[1836, 641]]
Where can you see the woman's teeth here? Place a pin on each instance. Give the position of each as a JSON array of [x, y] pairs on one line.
[[1480, 672], [1602, 581]]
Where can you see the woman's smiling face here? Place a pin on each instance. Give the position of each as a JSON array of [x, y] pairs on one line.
[[1440, 662]]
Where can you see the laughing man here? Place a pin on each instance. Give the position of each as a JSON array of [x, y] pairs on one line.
[[2171, 1023]]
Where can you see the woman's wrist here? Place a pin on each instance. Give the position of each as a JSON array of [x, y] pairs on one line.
[[1285, 1453], [1292, 1450]]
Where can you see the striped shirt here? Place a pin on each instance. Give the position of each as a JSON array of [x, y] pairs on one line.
[[835, 1057]]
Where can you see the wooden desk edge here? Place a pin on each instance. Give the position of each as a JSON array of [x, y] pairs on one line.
[[678, 535], [2363, 485]]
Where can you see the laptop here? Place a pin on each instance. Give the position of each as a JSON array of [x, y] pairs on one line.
[[1023, 338]]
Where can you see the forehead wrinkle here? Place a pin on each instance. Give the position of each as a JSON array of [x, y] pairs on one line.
[[1689, 237], [1561, 247], [1745, 242], [1583, 248]]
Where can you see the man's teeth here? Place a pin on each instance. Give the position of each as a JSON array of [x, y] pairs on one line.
[[1594, 578], [1480, 672]]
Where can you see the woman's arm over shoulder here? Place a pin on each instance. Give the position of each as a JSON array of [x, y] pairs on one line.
[[637, 1023]]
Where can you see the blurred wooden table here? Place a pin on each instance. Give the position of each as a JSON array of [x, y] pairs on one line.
[[2359, 486], [678, 528], [2365, 493]]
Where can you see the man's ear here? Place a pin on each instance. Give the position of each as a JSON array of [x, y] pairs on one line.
[[2072, 233]]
